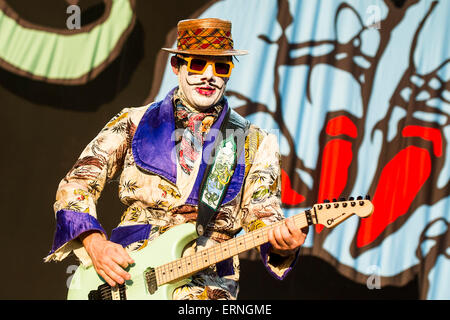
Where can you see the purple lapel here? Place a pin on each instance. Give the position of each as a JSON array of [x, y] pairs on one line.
[[153, 147]]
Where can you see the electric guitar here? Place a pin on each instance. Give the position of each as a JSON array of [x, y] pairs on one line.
[[159, 267]]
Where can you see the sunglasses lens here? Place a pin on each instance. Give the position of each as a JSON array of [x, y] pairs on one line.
[[198, 64], [222, 68]]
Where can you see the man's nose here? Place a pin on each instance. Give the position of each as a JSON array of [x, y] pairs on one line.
[[208, 73]]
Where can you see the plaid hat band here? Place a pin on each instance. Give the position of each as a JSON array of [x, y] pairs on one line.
[[205, 38]]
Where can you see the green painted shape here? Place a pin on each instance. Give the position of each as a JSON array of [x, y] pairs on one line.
[[59, 56], [166, 248]]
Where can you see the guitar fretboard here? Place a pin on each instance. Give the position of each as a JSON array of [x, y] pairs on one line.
[[188, 265]]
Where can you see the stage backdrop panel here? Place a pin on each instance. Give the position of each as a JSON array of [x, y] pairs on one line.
[[359, 95]]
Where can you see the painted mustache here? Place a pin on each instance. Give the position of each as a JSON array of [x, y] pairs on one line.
[[206, 84]]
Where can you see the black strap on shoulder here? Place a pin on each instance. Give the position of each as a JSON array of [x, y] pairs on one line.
[[233, 124]]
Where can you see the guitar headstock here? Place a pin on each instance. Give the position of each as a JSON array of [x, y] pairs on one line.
[[330, 214]]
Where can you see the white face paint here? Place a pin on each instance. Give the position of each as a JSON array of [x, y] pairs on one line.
[[201, 90]]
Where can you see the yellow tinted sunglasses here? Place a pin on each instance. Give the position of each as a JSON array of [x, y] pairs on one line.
[[199, 65]]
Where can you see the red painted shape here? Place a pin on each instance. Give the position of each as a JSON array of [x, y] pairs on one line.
[[341, 125], [430, 134], [400, 181], [336, 159], [288, 195]]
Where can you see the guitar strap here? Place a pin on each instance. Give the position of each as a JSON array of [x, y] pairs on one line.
[[220, 168]]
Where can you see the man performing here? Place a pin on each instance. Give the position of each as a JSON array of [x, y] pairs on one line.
[[162, 152]]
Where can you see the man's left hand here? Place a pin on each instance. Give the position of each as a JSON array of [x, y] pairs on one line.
[[286, 238]]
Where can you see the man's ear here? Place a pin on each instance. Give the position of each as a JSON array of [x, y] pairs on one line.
[[174, 64]]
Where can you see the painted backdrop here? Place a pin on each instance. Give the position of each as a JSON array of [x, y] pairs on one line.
[[359, 93]]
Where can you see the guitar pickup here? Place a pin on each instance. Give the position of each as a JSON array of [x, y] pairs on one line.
[[106, 292], [150, 280]]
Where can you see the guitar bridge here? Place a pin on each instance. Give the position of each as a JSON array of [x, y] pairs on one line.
[[150, 280], [106, 292]]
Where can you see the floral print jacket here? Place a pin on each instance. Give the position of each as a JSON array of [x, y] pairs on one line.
[[137, 144]]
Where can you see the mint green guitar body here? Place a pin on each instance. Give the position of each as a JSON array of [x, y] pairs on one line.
[[164, 249]]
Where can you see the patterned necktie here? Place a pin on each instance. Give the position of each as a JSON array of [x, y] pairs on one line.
[[196, 125]]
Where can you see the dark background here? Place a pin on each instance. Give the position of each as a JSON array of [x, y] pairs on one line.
[[46, 126]]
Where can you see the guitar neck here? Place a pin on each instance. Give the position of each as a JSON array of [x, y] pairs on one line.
[[189, 265]]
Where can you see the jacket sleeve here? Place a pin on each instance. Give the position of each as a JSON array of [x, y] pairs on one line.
[[78, 192], [261, 201]]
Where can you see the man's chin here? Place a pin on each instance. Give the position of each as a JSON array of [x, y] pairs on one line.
[[204, 102]]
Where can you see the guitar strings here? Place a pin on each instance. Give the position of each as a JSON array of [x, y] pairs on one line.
[[195, 262], [177, 268]]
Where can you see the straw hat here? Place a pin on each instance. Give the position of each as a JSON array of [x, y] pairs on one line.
[[209, 36]]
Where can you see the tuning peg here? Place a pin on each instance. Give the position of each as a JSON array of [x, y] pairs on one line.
[[359, 198], [341, 199], [326, 201], [334, 200], [367, 197], [351, 198]]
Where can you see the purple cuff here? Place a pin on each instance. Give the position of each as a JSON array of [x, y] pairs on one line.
[[265, 251], [70, 225], [126, 235]]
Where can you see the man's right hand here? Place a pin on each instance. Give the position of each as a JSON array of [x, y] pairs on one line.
[[109, 258]]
